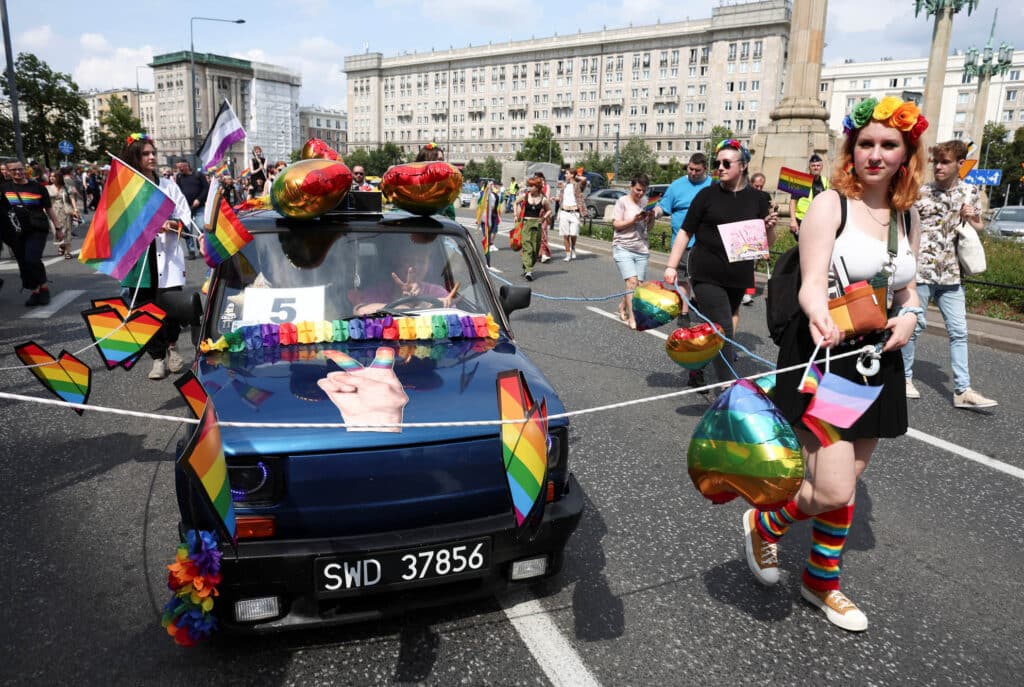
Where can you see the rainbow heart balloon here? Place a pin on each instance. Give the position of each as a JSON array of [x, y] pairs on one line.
[[744, 447], [309, 188], [422, 188], [655, 305], [695, 346]]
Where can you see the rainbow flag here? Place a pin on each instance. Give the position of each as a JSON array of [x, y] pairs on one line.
[[203, 460], [826, 433], [190, 388], [130, 214], [796, 184], [812, 378], [652, 201], [841, 402], [226, 237], [244, 173], [219, 169], [66, 377], [523, 446]]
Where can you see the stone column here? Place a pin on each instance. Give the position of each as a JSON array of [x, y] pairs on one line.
[[936, 79], [799, 124], [980, 110]]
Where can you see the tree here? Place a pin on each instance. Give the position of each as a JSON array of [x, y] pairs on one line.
[[540, 146], [673, 170], [53, 109], [636, 157], [997, 152], [595, 162], [472, 171], [719, 133], [492, 168], [359, 157], [385, 156], [114, 128]]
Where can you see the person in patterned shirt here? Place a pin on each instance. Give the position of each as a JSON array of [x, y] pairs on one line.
[[944, 204]]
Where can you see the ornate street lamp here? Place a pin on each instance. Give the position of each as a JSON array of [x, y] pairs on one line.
[[991, 63]]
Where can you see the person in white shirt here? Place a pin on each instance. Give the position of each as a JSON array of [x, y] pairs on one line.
[[569, 214]]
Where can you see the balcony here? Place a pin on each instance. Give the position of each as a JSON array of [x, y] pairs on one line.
[[518, 107], [667, 98], [480, 108], [611, 101], [563, 104]]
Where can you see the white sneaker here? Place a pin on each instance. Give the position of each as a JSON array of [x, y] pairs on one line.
[[912, 391], [159, 370], [494, 249], [573, 254], [568, 257], [528, 276], [839, 610], [972, 399], [174, 361], [545, 258], [747, 299]]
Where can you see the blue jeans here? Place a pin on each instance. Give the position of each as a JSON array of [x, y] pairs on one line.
[[952, 303], [630, 263]]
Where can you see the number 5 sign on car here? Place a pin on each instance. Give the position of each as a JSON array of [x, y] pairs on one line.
[[283, 305]]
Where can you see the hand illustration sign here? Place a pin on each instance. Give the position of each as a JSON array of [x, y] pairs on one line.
[[366, 395]]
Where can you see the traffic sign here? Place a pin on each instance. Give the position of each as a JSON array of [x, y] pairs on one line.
[[65, 147], [984, 177]]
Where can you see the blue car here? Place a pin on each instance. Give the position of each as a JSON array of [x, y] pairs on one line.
[[341, 525]]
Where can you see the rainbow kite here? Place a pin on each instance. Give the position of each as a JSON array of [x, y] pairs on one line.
[[191, 389], [523, 446], [120, 336], [203, 460], [130, 214], [797, 184], [119, 304], [227, 237], [67, 377]]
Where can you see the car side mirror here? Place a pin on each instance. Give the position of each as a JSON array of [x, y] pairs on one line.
[[514, 298]]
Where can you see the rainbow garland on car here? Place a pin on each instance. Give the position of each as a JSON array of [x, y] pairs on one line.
[[388, 328], [193, 578]]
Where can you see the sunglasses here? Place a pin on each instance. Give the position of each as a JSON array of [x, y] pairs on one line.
[[727, 164]]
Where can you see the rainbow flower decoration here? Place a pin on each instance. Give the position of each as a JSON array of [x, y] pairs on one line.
[[193, 578], [891, 111]]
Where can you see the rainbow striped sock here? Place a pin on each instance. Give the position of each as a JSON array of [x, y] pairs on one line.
[[827, 540], [772, 524]]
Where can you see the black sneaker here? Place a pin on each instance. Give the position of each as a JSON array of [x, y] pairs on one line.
[[192, 255], [33, 300], [696, 379], [44, 297]]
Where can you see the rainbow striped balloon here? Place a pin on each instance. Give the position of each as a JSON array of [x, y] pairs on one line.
[[655, 305], [203, 459], [66, 377], [744, 447], [121, 341], [694, 347], [523, 446]]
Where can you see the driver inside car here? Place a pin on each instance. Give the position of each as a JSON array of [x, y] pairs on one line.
[[406, 281]]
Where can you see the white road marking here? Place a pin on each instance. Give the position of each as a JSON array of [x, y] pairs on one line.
[[556, 657], [961, 451], [56, 303], [967, 453], [12, 265]]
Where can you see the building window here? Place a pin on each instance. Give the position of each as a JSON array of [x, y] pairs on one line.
[[894, 83], [823, 87], [1011, 95]]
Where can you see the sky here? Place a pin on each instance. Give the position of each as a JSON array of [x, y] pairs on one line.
[[105, 44]]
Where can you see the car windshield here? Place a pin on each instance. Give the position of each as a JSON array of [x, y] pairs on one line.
[[470, 188], [294, 276], [1010, 214]]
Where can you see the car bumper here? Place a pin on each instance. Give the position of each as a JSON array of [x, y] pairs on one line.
[[285, 569]]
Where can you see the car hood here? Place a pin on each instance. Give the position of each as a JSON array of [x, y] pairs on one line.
[[1009, 226], [447, 381]]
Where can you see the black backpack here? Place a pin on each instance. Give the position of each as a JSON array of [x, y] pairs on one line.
[[782, 302]]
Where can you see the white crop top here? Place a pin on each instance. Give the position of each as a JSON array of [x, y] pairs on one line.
[[864, 255]]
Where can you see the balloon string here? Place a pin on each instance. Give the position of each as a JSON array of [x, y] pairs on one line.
[[735, 343]]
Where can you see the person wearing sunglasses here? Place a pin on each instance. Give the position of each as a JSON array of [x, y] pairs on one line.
[[718, 284], [29, 213]]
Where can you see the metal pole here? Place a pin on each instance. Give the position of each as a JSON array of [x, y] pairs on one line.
[[192, 94], [984, 164], [12, 86], [616, 152]]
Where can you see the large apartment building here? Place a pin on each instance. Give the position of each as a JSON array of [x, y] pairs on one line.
[[326, 124], [666, 83], [98, 103], [265, 99], [846, 84]]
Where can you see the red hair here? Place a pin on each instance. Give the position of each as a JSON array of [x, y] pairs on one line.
[[905, 187]]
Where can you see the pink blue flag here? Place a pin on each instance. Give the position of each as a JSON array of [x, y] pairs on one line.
[[841, 402]]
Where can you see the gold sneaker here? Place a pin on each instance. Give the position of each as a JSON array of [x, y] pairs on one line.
[[762, 557], [839, 610]]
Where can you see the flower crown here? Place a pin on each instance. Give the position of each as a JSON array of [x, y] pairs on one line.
[[735, 145], [132, 138], [430, 146], [890, 111]]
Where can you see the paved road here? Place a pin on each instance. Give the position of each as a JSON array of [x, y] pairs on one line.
[[653, 590]]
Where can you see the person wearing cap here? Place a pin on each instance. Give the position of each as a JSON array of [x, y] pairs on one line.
[[798, 206], [569, 216]]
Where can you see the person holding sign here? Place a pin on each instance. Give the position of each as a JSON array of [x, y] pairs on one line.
[[734, 212]]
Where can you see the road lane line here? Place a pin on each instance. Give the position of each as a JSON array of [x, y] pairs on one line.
[[553, 653], [967, 453], [56, 303], [961, 451]]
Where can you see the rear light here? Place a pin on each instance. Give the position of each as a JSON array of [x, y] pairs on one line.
[[251, 610], [255, 526], [255, 482]]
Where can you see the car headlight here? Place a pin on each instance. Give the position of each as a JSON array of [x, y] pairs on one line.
[[255, 481], [558, 447]]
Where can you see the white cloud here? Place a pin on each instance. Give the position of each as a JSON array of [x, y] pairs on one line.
[[311, 7], [94, 42], [37, 38], [321, 64], [115, 69]]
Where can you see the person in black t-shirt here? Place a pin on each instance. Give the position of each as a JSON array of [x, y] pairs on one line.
[[718, 284], [195, 187], [26, 229]]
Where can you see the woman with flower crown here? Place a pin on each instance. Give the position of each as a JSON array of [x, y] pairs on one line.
[[878, 176]]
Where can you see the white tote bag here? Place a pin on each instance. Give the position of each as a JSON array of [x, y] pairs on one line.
[[969, 250]]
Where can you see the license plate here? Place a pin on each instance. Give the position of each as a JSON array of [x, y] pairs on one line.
[[341, 574]]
